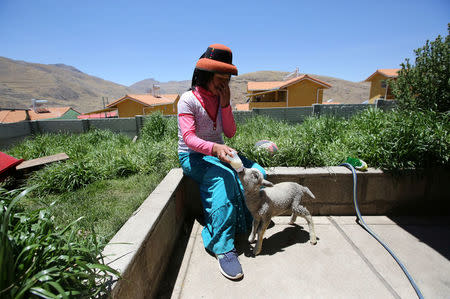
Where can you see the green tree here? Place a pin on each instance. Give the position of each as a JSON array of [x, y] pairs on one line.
[[425, 85]]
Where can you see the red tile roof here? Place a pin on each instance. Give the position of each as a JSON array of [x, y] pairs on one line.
[[105, 114], [11, 116], [54, 112], [282, 84], [242, 107], [263, 85], [147, 99], [390, 73]]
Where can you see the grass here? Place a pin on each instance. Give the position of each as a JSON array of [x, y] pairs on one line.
[[387, 140], [97, 155], [107, 176], [105, 205]]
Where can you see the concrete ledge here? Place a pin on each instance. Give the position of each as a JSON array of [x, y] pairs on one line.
[[142, 248], [378, 192]]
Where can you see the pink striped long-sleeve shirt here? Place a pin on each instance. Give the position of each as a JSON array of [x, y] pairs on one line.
[[189, 119]]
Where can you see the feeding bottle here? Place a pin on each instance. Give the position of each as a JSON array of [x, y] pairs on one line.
[[235, 162]]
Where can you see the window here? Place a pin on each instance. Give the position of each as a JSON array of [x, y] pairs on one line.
[[282, 95]]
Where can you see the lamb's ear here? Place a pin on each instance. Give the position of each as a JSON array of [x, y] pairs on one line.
[[266, 183]]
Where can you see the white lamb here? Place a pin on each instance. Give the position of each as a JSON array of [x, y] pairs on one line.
[[273, 200]]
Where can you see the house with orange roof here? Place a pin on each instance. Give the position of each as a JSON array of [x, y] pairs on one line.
[[300, 91], [15, 115], [378, 87], [131, 105]]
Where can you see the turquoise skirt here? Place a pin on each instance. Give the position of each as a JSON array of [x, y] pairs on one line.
[[222, 195]]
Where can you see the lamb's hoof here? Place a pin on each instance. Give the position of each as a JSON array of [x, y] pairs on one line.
[[291, 222], [256, 251], [313, 242]]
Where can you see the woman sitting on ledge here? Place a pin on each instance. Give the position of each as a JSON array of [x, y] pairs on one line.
[[204, 113]]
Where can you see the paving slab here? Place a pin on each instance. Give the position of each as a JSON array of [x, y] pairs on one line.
[[427, 262], [346, 262]]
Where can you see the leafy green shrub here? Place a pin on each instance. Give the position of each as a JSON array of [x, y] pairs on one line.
[[156, 156], [425, 85], [417, 139], [39, 259], [365, 136], [158, 127]]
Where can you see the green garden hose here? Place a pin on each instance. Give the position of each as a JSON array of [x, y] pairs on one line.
[[367, 228]]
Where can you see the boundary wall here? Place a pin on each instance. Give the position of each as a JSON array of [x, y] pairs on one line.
[[12, 133]]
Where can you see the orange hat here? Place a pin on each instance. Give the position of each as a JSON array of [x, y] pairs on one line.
[[217, 59]]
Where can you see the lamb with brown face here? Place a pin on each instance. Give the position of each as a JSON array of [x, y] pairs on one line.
[[273, 200]]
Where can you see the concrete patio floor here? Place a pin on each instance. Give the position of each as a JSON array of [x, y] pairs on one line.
[[346, 262]]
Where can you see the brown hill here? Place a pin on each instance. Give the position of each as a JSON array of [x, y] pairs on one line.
[[146, 85], [60, 84], [64, 85]]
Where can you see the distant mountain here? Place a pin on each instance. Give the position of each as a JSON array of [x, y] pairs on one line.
[[345, 92], [65, 85], [67, 67], [60, 84], [143, 86], [146, 86]]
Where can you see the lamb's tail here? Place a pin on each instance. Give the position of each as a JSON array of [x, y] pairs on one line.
[[309, 193]]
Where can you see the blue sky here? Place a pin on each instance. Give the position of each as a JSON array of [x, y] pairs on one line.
[[128, 41]]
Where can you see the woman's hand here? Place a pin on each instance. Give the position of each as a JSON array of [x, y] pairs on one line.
[[224, 94], [221, 151], [219, 86]]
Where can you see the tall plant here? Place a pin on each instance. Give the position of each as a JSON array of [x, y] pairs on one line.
[[425, 85], [39, 259]]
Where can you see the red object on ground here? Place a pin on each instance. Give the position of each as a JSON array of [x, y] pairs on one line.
[[7, 163]]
